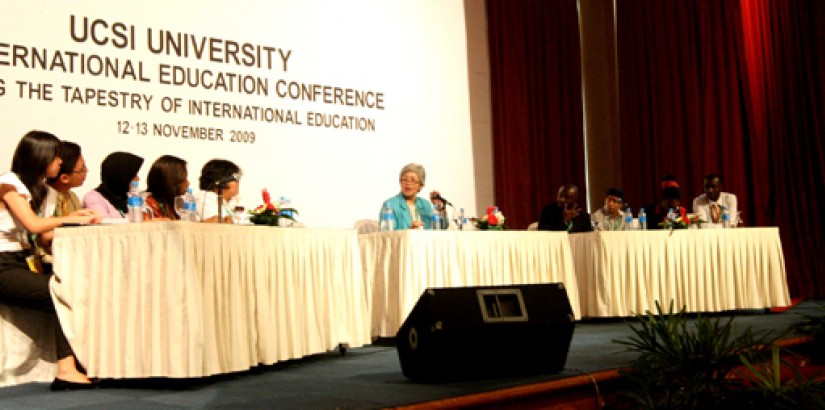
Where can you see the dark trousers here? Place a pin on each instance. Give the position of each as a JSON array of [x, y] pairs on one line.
[[21, 287]]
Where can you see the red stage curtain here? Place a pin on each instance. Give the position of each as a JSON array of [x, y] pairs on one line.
[[784, 43], [734, 87], [729, 86], [538, 142], [680, 104]]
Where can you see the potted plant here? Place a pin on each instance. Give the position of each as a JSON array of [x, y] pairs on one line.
[[268, 213], [703, 364]]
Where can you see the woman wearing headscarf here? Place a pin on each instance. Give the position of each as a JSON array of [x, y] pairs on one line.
[[118, 170]]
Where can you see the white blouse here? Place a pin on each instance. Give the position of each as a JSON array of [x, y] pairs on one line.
[[12, 233]]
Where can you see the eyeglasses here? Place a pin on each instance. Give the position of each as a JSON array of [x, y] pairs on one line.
[[410, 181], [80, 171]]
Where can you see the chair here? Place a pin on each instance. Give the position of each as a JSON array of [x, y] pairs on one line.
[[533, 226], [27, 352], [366, 226]]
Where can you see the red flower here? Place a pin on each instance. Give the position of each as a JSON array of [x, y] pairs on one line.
[[491, 210], [491, 219], [683, 214], [265, 195]]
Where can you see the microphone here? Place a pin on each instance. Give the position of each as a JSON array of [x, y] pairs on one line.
[[442, 199], [223, 182]]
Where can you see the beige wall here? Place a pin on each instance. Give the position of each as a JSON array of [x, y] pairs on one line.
[[601, 110], [478, 63], [334, 175]]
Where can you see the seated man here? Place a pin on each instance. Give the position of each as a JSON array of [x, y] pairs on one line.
[[565, 214], [610, 217], [656, 213], [710, 205]]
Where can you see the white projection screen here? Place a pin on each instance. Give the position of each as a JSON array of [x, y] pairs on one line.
[[319, 101]]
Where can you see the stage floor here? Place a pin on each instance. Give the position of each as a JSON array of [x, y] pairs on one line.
[[364, 378]]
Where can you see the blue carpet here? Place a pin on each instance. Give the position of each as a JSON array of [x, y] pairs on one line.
[[364, 378]]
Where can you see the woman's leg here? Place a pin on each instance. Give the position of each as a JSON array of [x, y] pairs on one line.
[[22, 287]]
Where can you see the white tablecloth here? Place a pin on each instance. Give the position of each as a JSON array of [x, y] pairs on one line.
[[399, 266], [181, 299], [702, 270]]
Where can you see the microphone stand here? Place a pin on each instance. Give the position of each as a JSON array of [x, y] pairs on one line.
[[445, 213], [219, 187]]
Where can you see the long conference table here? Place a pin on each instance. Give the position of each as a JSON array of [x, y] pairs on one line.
[[698, 270], [399, 266], [181, 299]]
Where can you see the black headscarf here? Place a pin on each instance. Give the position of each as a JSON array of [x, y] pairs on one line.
[[116, 172]]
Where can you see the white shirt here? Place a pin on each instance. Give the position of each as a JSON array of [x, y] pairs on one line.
[[701, 207], [602, 221], [12, 233], [208, 206]]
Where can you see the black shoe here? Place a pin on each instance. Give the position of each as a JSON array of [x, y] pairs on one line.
[[63, 385]]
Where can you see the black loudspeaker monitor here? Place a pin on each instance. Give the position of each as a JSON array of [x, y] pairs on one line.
[[472, 332]]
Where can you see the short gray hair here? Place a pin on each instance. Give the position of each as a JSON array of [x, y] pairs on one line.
[[418, 169]]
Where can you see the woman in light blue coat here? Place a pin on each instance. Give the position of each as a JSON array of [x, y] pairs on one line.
[[410, 211]]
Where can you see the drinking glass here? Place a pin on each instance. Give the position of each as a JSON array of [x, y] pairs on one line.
[[239, 214], [180, 206], [146, 209]]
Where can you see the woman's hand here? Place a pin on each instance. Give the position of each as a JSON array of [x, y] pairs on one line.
[[44, 240], [417, 224], [86, 216], [570, 211], [84, 220], [84, 212], [435, 198]]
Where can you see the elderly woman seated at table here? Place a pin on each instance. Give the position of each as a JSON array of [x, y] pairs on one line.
[[410, 211]]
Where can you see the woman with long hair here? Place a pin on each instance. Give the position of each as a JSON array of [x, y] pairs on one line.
[[167, 179], [22, 192]]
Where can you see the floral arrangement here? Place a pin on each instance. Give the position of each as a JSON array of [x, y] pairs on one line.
[[493, 220], [682, 221], [268, 213]]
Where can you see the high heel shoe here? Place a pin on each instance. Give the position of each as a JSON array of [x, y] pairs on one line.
[[64, 385]]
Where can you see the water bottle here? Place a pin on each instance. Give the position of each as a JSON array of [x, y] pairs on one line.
[[436, 222], [134, 203], [387, 223], [642, 219], [725, 217], [190, 206], [461, 220], [284, 204], [628, 220], [671, 215]]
